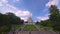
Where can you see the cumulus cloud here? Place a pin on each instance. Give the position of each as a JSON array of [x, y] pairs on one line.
[[52, 2], [42, 18], [23, 14], [5, 7], [16, 0], [2, 2], [45, 17], [48, 4]]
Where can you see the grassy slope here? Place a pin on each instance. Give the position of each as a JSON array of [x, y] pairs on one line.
[[44, 27], [15, 27], [30, 27]]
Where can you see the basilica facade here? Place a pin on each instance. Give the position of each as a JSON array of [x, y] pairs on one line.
[[29, 21]]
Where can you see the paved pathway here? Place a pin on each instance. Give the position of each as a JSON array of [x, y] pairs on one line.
[[33, 32], [41, 31]]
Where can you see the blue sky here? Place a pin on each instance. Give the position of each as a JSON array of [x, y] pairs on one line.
[[37, 9]]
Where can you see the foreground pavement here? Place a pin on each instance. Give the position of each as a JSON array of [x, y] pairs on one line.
[[33, 32], [41, 31]]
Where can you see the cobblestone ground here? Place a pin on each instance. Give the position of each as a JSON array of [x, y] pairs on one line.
[[33, 32], [41, 31]]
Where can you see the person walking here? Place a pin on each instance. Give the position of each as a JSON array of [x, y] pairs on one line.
[[30, 32]]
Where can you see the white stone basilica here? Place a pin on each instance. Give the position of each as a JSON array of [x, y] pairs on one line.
[[30, 21]]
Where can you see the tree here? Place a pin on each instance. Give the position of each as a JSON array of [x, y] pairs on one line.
[[22, 21], [8, 19], [14, 19], [4, 23], [45, 23], [37, 22], [55, 18]]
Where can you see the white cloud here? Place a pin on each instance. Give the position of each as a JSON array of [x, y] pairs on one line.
[[45, 17], [24, 18], [16, 0], [5, 7], [23, 14], [48, 4], [42, 18], [3, 2], [52, 2]]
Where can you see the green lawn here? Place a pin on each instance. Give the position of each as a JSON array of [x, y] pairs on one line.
[[15, 27], [30, 27], [45, 27], [4, 28]]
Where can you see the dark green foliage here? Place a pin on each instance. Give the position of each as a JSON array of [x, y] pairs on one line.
[[22, 21], [26, 21], [37, 22], [55, 17], [45, 23], [5, 28], [14, 19], [8, 19]]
